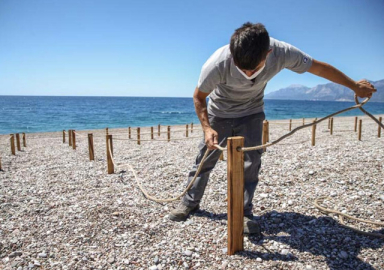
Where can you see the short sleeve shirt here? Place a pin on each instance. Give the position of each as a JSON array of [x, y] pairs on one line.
[[231, 94]]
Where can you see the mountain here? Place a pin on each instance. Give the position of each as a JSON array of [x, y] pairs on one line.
[[324, 92]]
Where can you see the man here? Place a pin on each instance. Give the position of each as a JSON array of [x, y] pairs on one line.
[[235, 77]]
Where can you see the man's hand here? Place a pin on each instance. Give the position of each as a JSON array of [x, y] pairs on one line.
[[210, 138], [364, 89]]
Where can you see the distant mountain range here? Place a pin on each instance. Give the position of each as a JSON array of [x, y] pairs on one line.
[[324, 92]]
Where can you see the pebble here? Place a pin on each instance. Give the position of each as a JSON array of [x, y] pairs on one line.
[[285, 251], [224, 250], [42, 255], [343, 255], [186, 265], [308, 267], [188, 253], [290, 202], [153, 267], [258, 259], [311, 172], [156, 260], [15, 254]]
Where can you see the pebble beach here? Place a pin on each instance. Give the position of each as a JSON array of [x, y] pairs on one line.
[[59, 210]]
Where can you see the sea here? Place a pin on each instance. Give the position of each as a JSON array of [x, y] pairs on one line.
[[31, 114]]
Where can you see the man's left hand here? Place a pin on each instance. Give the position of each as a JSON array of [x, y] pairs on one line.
[[364, 89]]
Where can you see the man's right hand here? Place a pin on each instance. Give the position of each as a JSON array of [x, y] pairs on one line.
[[211, 138]]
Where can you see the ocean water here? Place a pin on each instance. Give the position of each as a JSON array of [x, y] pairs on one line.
[[42, 114]]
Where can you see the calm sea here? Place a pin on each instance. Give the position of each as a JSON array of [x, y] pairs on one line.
[[42, 114]]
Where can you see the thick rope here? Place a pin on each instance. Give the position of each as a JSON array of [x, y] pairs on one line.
[[330, 211], [146, 194]]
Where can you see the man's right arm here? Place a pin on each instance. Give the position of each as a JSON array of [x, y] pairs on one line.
[[211, 136]]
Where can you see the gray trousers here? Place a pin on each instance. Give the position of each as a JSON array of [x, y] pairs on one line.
[[250, 127]]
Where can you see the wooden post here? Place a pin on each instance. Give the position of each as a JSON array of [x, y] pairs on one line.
[[24, 140], [106, 131], [13, 144], [90, 147], [314, 133], [186, 130], [290, 124], [355, 123], [303, 121], [221, 156], [1, 169], [70, 137], [129, 132], [267, 130], [379, 128], [151, 133], [18, 142], [360, 127], [73, 140], [235, 165], [169, 133], [331, 125], [138, 136], [158, 130], [191, 127], [111, 168], [63, 136], [264, 134]]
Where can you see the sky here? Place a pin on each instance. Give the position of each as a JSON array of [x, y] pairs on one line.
[[157, 48]]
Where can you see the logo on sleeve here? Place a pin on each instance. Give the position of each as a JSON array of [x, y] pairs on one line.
[[305, 60]]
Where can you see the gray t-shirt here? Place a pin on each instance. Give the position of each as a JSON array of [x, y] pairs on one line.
[[232, 95]]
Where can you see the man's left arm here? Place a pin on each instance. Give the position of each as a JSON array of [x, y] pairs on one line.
[[361, 88]]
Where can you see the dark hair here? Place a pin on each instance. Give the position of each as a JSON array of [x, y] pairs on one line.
[[249, 45]]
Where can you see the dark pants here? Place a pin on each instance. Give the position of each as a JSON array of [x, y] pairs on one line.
[[250, 127]]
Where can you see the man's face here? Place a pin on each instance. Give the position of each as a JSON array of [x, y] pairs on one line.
[[249, 73]]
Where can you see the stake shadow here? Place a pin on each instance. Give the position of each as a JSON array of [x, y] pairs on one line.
[[320, 236]]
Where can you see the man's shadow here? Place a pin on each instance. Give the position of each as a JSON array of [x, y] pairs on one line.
[[322, 236]]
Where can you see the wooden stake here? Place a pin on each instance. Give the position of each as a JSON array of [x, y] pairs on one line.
[[73, 140], [267, 130], [90, 147], [24, 140], [191, 127], [313, 134], [70, 137], [303, 121], [151, 133], [129, 132], [158, 130], [360, 128], [1, 169], [264, 135], [186, 131], [235, 177], [331, 125], [111, 167], [290, 124], [138, 136], [379, 128], [169, 133], [63, 136], [18, 142], [355, 123], [106, 131], [13, 144], [221, 156]]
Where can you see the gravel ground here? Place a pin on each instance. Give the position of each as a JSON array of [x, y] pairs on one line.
[[58, 210]]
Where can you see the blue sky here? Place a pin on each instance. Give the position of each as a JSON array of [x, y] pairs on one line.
[[157, 48]]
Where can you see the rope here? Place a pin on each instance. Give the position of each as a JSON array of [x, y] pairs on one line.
[[148, 196], [358, 105], [158, 140], [81, 135], [329, 211]]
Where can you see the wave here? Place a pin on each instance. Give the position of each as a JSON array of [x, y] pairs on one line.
[[171, 112]]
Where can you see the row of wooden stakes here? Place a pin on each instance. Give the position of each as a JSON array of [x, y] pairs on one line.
[[17, 144]]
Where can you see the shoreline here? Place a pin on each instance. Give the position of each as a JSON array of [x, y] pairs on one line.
[[195, 124]]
